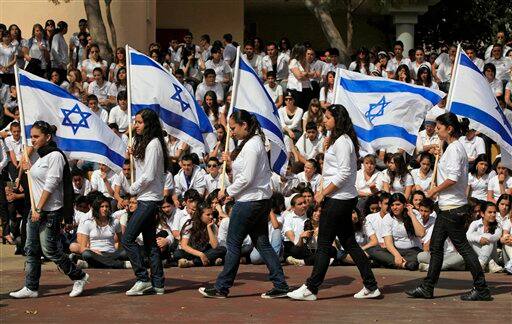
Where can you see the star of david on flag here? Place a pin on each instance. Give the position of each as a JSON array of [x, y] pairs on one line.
[[377, 109], [177, 97], [68, 120], [81, 134]]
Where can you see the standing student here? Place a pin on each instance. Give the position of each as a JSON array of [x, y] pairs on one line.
[[148, 151], [339, 198], [51, 187], [251, 191], [452, 179]]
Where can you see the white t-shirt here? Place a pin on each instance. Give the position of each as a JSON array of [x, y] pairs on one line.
[[293, 123], [363, 185], [89, 66], [330, 95], [294, 223], [120, 117], [14, 146], [374, 224], [362, 70], [398, 185], [494, 186], [479, 186], [98, 184], [293, 82], [473, 147], [393, 64], [418, 181], [203, 88], [222, 234], [274, 92], [100, 238], [86, 188], [453, 165], [221, 69], [394, 227]]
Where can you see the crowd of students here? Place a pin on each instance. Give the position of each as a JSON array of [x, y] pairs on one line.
[[395, 212]]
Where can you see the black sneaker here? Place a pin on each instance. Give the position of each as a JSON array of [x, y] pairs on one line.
[[475, 295], [420, 292], [275, 293], [412, 265], [212, 293]]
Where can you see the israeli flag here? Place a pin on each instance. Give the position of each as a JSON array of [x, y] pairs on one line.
[[249, 94], [81, 134], [471, 97], [387, 114], [151, 86]]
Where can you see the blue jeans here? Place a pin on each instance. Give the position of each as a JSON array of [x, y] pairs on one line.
[[143, 221], [276, 241], [44, 235], [249, 218]]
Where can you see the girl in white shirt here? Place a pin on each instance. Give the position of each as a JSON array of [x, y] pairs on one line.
[[452, 181], [327, 92], [251, 190], [424, 77], [362, 63], [368, 178], [291, 117], [479, 176], [499, 184], [340, 194], [93, 61], [398, 178], [299, 83], [149, 152], [51, 183], [423, 175]]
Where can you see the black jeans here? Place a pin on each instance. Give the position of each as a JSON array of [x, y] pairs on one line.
[[249, 217], [336, 220], [105, 260], [450, 224], [386, 259], [143, 221], [211, 253]]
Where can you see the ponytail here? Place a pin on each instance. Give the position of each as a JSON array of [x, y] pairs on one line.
[[241, 116]]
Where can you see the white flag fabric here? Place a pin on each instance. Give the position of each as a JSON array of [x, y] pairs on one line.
[[151, 86], [387, 114], [81, 134], [252, 96], [473, 98]]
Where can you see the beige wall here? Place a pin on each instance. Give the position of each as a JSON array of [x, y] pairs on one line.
[[135, 20], [201, 17]]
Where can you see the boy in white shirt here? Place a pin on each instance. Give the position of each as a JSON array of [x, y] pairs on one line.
[[209, 84], [309, 144], [274, 90], [190, 176], [92, 103], [14, 148], [254, 60], [101, 180], [119, 114]]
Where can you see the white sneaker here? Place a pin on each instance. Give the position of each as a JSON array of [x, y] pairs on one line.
[[296, 262], [81, 264], [78, 286], [423, 267], [140, 288], [127, 265], [303, 293], [365, 293], [159, 291], [24, 293], [494, 267]]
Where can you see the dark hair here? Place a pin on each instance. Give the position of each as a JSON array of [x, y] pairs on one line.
[[372, 199], [326, 87], [490, 66], [91, 97], [417, 192], [122, 95], [399, 43], [343, 126], [365, 63], [198, 232], [277, 203], [407, 72], [215, 49], [205, 37], [152, 129], [428, 81], [427, 155], [504, 197], [450, 119], [45, 128], [98, 69], [427, 203], [96, 204], [294, 199], [299, 54], [358, 226], [241, 116], [492, 225], [187, 157], [40, 27], [405, 219], [249, 42], [315, 164], [228, 38], [334, 51], [384, 195], [271, 74], [400, 169], [286, 41], [120, 82], [480, 158], [214, 109], [179, 72], [311, 126], [192, 194]]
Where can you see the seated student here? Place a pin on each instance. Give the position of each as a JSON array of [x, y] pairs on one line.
[[190, 176], [101, 180], [167, 238], [504, 209], [191, 199], [483, 235], [121, 184], [168, 184], [422, 176], [310, 174], [284, 183], [213, 177], [506, 238], [452, 260], [361, 238], [309, 144], [308, 194], [198, 244], [368, 178], [81, 185], [397, 179], [424, 211], [209, 84], [275, 224], [371, 205], [478, 179], [274, 90], [402, 233], [124, 214], [82, 209], [416, 198], [98, 239], [119, 114], [374, 227], [499, 184], [14, 146], [247, 246], [92, 103]]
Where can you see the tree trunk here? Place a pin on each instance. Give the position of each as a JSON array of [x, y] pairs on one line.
[[97, 28], [111, 25]]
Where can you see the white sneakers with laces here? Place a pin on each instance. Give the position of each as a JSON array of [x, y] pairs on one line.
[[24, 293], [303, 293], [78, 286], [365, 293], [140, 288]]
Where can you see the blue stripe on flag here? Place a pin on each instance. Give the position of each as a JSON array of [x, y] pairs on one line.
[[90, 146], [466, 61], [383, 86], [266, 123], [45, 86], [281, 160], [173, 120], [247, 68], [383, 131], [480, 116], [138, 59]]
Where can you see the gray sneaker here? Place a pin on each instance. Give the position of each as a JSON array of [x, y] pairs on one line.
[[159, 291], [140, 288]]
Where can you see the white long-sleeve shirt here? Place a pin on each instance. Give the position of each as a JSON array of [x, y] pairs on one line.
[[150, 174], [46, 175], [340, 168], [453, 165], [476, 232], [294, 123], [251, 172], [59, 52], [197, 181]]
